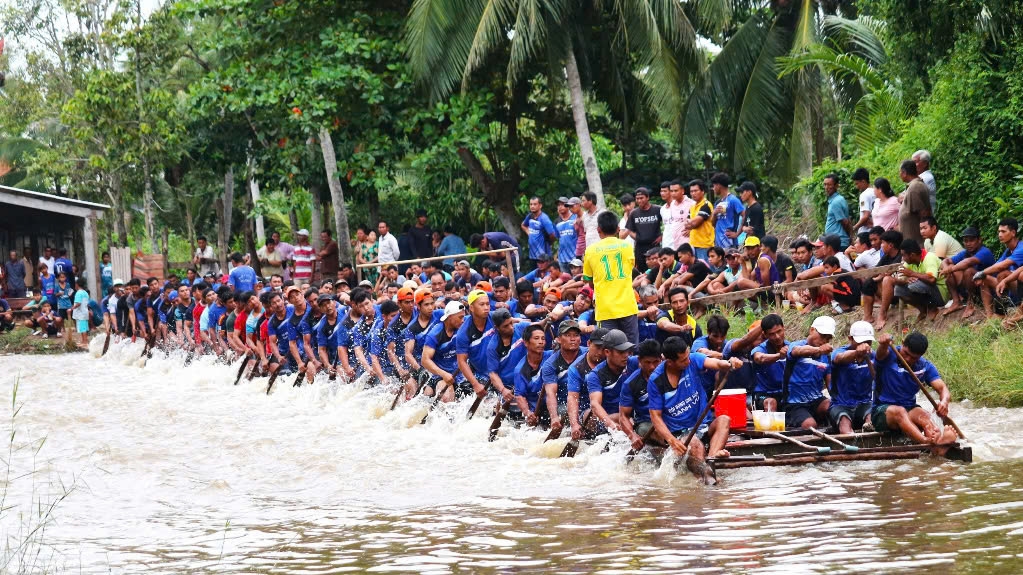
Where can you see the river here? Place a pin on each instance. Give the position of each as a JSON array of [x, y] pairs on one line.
[[168, 469]]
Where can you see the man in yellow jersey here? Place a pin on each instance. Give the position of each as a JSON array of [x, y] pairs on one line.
[[608, 265], [701, 221]]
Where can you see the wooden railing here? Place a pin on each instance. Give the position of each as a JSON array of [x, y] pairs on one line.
[[506, 251]]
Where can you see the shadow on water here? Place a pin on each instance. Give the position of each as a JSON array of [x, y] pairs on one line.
[[187, 473]]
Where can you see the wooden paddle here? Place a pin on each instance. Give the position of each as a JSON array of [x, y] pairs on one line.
[[718, 386], [573, 446], [828, 438], [241, 370], [298, 378], [632, 452], [944, 418], [106, 344], [149, 342], [502, 411], [820, 450], [273, 376], [476, 404], [436, 400]]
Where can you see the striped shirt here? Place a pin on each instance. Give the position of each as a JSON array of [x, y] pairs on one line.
[[304, 256]]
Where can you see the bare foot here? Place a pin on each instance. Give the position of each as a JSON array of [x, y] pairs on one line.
[[932, 314], [879, 324], [951, 310], [920, 318], [970, 310], [720, 454]]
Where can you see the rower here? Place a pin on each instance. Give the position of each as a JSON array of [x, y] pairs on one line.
[[528, 384], [769, 359], [554, 372], [896, 409], [472, 340], [807, 373], [356, 328], [380, 362], [413, 338], [633, 408], [284, 338], [852, 379], [253, 324], [578, 401], [439, 353], [715, 345], [504, 352], [676, 398], [300, 328], [395, 345], [326, 331], [604, 383], [183, 317]]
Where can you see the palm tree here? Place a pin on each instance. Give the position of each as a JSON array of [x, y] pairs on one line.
[[769, 112], [448, 41]]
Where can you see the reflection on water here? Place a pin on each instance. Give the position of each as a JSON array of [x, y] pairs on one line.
[[181, 472]]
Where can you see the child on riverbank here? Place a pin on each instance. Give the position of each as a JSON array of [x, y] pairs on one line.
[[80, 311]]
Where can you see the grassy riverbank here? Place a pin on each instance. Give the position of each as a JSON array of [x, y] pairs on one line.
[[978, 362], [21, 340]]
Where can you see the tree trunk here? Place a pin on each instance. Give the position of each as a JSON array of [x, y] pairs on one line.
[[254, 191], [147, 205], [501, 200], [293, 221], [164, 240], [250, 240], [337, 197], [582, 130], [117, 222], [228, 210], [315, 213], [218, 205], [189, 224]]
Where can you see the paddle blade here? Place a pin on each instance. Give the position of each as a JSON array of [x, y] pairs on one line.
[[570, 449], [106, 345]]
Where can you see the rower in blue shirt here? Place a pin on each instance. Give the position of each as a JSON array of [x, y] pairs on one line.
[[327, 330], [378, 339], [604, 383], [440, 355], [578, 400], [852, 380], [504, 352], [896, 408], [633, 403], [554, 371], [807, 373], [676, 398], [472, 340], [528, 385], [769, 360]]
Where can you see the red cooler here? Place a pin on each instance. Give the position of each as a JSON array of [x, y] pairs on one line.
[[732, 402]]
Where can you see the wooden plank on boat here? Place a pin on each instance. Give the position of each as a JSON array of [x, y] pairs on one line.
[[809, 458]]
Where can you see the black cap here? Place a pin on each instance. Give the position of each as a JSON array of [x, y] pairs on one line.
[[617, 340], [970, 232], [568, 325], [324, 298], [543, 258], [499, 316], [597, 337]]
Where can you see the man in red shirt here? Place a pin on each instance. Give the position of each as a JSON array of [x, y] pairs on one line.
[[303, 258]]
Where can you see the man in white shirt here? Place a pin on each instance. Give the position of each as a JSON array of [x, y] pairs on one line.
[[938, 242], [628, 203], [388, 251], [922, 159], [48, 259], [681, 205], [589, 216], [668, 234], [861, 179], [204, 259]]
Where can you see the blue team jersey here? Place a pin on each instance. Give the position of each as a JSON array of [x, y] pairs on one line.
[[445, 353], [62, 265], [635, 394], [897, 385], [539, 230], [680, 406], [470, 341], [502, 359], [379, 336], [215, 315], [528, 383], [806, 383], [770, 377], [242, 278], [285, 331], [140, 311], [554, 371], [1015, 255], [984, 256], [729, 221], [327, 334], [852, 383], [609, 383], [417, 332], [577, 381], [565, 230]]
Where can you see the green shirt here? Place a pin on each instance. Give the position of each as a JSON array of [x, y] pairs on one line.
[[930, 264]]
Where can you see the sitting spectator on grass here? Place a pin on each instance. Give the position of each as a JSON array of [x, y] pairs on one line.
[[872, 287], [1011, 259], [6, 316], [959, 270], [844, 292], [919, 284], [47, 321], [938, 242]]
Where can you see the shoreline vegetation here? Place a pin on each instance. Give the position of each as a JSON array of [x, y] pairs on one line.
[[970, 358]]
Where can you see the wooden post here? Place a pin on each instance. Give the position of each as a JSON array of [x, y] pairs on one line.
[[511, 268]]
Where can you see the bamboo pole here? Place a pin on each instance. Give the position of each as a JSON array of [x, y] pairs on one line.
[[438, 258]]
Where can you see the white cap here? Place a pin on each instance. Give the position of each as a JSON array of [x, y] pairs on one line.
[[825, 325], [118, 282], [303, 232], [861, 331], [451, 309], [410, 284]]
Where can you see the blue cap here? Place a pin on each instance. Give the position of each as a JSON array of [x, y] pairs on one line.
[[172, 295]]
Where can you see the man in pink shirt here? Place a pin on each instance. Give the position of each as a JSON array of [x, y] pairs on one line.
[[303, 257], [678, 211]]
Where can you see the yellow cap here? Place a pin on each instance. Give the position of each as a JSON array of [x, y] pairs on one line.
[[475, 295], [751, 241]]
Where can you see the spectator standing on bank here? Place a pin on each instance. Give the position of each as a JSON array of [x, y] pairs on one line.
[[303, 257], [589, 217], [837, 222], [565, 230], [366, 252], [576, 205], [539, 231], [608, 265], [678, 212], [644, 225], [421, 237], [48, 285], [916, 203], [700, 224], [63, 264], [451, 245], [64, 292], [387, 250], [80, 312], [106, 273], [14, 272], [204, 259], [286, 251], [922, 159], [242, 277], [628, 202], [729, 212], [669, 230], [753, 225], [861, 179], [328, 256], [270, 261], [30, 270], [47, 259], [885, 214]]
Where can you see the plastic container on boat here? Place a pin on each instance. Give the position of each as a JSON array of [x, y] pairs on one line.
[[732, 402]]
